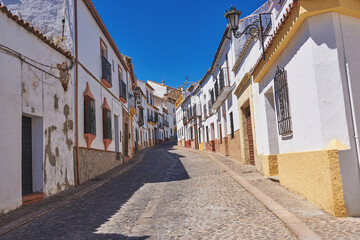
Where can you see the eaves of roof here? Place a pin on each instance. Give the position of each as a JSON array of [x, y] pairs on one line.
[[32, 30], [103, 28]]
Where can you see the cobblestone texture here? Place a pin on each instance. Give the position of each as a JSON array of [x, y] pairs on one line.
[[326, 225], [171, 194]]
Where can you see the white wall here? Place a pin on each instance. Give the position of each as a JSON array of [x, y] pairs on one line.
[[28, 91], [89, 39], [310, 60]]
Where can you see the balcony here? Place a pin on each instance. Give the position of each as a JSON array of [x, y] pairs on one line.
[[151, 120], [166, 123], [185, 120], [210, 104], [161, 125], [123, 91], [141, 121], [106, 72], [224, 88]]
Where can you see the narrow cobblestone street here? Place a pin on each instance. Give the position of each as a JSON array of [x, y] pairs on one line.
[[170, 194]]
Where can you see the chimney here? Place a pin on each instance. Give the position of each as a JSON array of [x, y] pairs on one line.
[[162, 82]]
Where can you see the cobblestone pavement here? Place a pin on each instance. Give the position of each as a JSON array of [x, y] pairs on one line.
[[171, 194], [326, 225]]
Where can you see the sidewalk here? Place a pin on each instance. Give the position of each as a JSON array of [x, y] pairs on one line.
[[320, 222], [27, 213]]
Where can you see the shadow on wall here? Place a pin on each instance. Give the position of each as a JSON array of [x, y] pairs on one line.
[[97, 215]]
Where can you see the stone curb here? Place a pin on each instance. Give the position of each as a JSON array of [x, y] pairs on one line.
[[295, 225], [32, 216]]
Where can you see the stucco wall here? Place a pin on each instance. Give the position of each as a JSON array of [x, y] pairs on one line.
[[316, 176], [48, 100], [94, 163]]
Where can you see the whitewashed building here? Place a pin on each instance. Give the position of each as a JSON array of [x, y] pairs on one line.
[[37, 133], [305, 101]]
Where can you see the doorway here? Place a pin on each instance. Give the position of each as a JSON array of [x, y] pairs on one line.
[[26, 156], [117, 137], [250, 140]]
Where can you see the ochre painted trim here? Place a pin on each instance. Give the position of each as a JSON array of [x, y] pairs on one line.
[[107, 143], [106, 83], [89, 138], [105, 105], [122, 99], [155, 108], [242, 84], [291, 23], [88, 92]]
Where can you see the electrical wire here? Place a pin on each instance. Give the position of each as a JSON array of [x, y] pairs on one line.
[[23, 58]]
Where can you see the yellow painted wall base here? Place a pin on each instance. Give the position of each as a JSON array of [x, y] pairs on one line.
[[270, 165], [201, 146], [316, 176]]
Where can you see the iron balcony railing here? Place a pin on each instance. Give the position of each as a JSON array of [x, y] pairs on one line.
[[205, 111], [166, 123], [123, 90], [106, 70], [210, 105], [224, 80], [223, 83], [150, 118]]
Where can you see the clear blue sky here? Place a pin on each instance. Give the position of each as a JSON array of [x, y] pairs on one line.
[[169, 39]]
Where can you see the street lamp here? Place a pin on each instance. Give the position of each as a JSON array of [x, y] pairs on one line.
[[255, 29]]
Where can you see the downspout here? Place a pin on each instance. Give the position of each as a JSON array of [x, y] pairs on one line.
[[76, 95], [351, 99]]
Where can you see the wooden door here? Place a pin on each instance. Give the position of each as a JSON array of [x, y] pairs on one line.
[[250, 136], [26, 156], [126, 139]]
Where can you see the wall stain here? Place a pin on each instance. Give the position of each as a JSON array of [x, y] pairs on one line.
[[48, 152], [58, 187], [64, 75], [56, 102], [68, 126], [57, 152], [67, 183]]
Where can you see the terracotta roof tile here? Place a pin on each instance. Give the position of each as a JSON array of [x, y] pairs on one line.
[[31, 29]]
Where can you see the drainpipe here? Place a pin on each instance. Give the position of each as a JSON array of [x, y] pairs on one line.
[[76, 95], [351, 99]]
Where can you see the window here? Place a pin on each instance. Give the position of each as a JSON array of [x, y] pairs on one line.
[[105, 65], [106, 121], [199, 135], [170, 131], [122, 88], [232, 125], [207, 133], [282, 102], [89, 115]]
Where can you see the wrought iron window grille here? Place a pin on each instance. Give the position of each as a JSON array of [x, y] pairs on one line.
[[282, 102], [106, 70]]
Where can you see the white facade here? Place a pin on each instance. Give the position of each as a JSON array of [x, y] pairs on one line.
[[44, 95], [321, 65], [90, 71]]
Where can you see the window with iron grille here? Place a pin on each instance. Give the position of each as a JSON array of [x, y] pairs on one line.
[[232, 125], [106, 70], [107, 133], [282, 102], [89, 115], [123, 89]]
